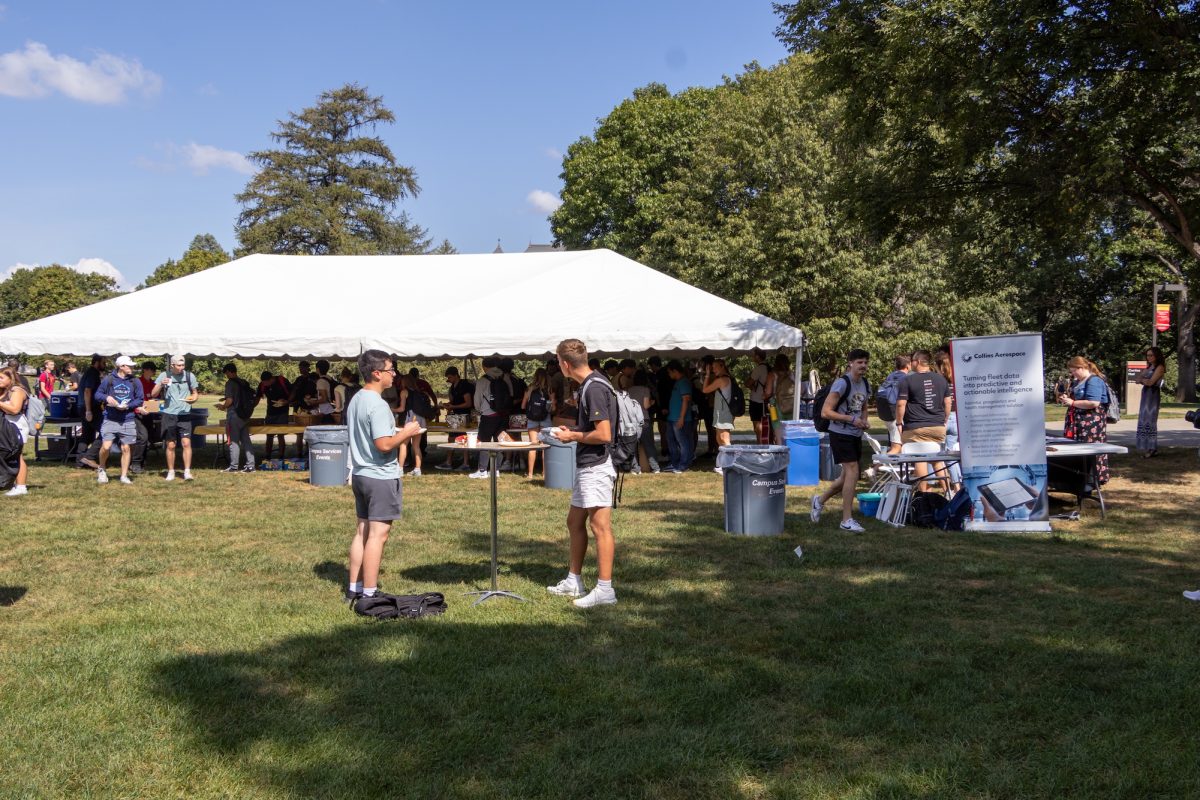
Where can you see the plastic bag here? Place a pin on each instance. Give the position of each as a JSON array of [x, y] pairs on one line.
[[756, 459]]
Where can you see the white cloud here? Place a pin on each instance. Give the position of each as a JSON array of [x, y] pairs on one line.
[[543, 201], [552, 154], [107, 79], [88, 266], [203, 157], [209, 90], [199, 158]]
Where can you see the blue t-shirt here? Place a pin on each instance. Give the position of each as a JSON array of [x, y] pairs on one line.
[[89, 380], [681, 389], [126, 391], [175, 389], [1091, 389], [368, 418]]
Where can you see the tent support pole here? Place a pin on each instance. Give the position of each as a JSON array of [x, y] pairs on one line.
[[797, 391]]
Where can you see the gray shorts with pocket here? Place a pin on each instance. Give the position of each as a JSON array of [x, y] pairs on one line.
[[376, 499]]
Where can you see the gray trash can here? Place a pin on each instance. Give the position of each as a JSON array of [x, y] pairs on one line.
[[328, 454], [829, 470], [559, 463], [755, 488]]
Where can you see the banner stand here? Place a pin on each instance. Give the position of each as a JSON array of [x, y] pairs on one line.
[[998, 391]]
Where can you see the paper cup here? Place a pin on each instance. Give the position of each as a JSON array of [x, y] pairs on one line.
[[472, 438]]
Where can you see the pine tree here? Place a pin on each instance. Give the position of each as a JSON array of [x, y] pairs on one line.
[[332, 187]]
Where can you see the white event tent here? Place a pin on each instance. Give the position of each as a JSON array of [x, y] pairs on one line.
[[429, 306]]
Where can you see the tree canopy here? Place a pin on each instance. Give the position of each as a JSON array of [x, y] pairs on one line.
[[1058, 116], [31, 294], [204, 252], [740, 201], [332, 187]]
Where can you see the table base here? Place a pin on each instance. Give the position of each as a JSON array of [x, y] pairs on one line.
[[487, 594]]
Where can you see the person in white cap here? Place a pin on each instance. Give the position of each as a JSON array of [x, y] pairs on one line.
[[119, 393]]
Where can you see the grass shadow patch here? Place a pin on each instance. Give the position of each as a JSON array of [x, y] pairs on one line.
[[9, 595]]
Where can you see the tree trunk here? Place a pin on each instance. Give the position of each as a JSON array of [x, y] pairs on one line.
[[1186, 390]]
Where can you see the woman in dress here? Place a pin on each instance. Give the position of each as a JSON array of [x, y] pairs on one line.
[[12, 404], [1088, 401], [718, 383], [1151, 380]]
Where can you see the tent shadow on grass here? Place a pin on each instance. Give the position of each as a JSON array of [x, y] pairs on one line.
[[758, 675]]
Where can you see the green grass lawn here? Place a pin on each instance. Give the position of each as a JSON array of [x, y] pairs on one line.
[[188, 640]]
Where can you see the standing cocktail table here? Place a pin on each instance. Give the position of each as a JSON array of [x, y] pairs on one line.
[[493, 450]]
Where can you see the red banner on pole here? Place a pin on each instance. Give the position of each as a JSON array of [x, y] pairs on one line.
[[1162, 316]]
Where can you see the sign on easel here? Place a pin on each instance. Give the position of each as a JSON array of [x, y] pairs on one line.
[[998, 391]]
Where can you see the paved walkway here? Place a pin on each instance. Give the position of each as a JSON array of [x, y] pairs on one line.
[[1171, 432]]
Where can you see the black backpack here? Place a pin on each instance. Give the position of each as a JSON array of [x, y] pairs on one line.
[[420, 404], [538, 407], [11, 447], [926, 507], [499, 396], [351, 390], [737, 400], [400, 606], [246, 399], [819, 421]]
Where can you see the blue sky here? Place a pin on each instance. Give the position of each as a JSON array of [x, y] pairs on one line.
[[125, 123]]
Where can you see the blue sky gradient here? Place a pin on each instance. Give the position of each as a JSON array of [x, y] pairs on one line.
[[125, 122]]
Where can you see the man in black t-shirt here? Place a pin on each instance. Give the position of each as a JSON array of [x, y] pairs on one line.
[[461, 401], [923, 407], [595, 476]]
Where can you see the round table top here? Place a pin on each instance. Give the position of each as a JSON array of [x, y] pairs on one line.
[[498, 447]]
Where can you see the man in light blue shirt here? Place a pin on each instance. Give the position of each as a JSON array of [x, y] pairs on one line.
[[179, 389], [375, 472]]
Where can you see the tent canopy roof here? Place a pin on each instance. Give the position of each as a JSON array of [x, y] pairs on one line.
[[427, 306]]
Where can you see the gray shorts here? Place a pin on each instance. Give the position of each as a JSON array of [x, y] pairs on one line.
[[376, 499], [122, 432], [593, 487]]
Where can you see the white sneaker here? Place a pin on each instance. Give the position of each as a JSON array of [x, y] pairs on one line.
[[416, 473], [597, 597], [171, 475], [125, 480], [852, 526], [815, 513], [480, 474], [187, 475], [718, 470], [101, 476], [17, 491], [567, 588], [1193, 595]]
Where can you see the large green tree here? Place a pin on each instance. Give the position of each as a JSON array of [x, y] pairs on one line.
[[203, 253], [31, 294], [741, 201], [1054, 115], [333, 185]]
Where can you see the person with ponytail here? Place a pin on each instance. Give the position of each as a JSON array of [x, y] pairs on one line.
[[1088, 400]]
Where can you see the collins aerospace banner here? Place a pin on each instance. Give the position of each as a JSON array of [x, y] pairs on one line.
[[998, 392]]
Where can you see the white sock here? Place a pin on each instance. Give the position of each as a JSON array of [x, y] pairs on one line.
[[605, 585], [356, 586], [575, 578], [370, 592]]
